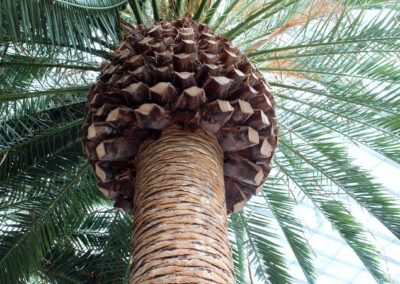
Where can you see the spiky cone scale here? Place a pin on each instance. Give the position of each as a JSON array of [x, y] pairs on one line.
[[180, 73]]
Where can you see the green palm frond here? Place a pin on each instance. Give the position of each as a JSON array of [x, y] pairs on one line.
[[62, 265], [34, 225], [69, 262], [225, 13], [212, 11], [29, 139], [331, 162], [378, 132], [136, 10], [240, 259], [38, 67], [264, 252], [75, 23], [332, 66], [335, 211], [114, 260], [314, 37], [282, 206]]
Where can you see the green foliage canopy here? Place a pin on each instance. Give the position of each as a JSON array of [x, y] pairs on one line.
[[333, 66]]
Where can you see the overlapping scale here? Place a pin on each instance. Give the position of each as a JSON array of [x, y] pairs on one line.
[[179, 73]]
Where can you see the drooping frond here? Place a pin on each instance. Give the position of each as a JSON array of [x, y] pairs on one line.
[[292, 165], [264, 252], [325, 156], [239, 251], [76, 23], [31, 225], [333, 67], [107, 261], [282, 206]]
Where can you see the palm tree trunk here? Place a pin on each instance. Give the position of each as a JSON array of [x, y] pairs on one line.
[[179, 222]]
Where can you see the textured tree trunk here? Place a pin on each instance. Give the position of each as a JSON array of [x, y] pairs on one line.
[[180, 222]]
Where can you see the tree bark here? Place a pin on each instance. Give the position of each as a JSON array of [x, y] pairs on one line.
[[179, 215]]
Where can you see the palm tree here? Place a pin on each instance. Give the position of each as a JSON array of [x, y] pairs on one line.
[[334, 72]]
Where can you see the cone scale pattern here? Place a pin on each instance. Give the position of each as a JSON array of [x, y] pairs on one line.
[[179, 73]]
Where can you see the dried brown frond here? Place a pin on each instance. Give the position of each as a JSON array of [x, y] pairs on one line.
[[320, 9], [281, 63]]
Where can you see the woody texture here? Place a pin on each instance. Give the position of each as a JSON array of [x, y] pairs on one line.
[[180, 130]]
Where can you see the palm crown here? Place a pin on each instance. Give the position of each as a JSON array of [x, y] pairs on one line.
[[335, 77]]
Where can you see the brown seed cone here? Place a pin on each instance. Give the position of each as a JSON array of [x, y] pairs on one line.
[[179, 73]]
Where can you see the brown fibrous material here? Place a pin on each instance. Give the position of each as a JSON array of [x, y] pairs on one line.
[[179, 217], [179, 73]]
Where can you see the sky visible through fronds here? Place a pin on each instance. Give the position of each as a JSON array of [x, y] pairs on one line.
[[334, 69]]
